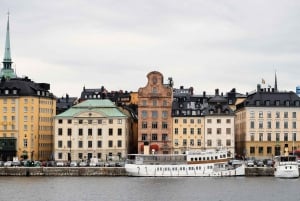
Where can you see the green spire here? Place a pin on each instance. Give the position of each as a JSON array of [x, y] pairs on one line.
[[7, 71]]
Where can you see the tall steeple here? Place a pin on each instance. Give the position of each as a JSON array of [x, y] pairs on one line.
[[275, 86], [7, 71]]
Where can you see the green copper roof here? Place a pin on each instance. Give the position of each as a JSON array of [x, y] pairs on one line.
[[7, 71], [103, 106]]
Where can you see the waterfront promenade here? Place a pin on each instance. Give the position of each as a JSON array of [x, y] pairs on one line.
[[98, 171]]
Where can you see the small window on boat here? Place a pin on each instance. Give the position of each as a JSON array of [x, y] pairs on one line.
[[216, 157], [183, 168], [180, 168], [224, 156], [160, 169], [207, 158], [196, 159], [196, 167], [212, 158], [192, 159]]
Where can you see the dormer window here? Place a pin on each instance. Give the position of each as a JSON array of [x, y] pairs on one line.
[[38, 93], [6, 91], [287, 103], [257, 103], [267, 102], [277, 102], [15, 91], [297, 103]]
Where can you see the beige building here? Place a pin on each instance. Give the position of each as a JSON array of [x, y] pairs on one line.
[[154, 115], [267, 122], [91, 129]]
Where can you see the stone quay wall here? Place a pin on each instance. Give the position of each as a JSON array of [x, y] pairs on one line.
[[62, 171]]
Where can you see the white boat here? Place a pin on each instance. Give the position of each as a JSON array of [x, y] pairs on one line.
[[286, 167], [209, 163]]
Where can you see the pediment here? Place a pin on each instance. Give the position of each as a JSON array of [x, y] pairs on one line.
[[90, 114]]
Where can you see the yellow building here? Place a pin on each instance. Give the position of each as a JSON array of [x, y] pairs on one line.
[[26, 112]]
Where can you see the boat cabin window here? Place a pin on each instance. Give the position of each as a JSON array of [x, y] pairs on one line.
[[216, 157]]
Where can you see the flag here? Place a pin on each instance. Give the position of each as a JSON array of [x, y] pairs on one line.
[[263, 81]]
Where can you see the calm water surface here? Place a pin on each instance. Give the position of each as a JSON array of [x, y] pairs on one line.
[[148, 189]]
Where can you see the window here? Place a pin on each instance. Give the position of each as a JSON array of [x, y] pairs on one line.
[[285, 114], [99, 144], [277, 114], [184, 142], [260, 124], [60, 131], [199, 131], [269, 150], [269, 136], [184, 131], [69, 121], [154, 114], [144, 137], [198, 142], [119, 143], [80, 155], [154, 102], [228, 142], [69, 131], [269, 114], [99, 131], [59, 144], [219, 131], [286, 138], [60, 121], [192, 131], [154, 125], [294, 115], [144, 124], [80, 121], [294, 124], [90, 144], [80, 145], [218, 121], [119, 131], [277, 137], [110, 121], [294, 136], [209, 131], [228, 131], [252, 114], [192, 142], [59, 155], [25, 143], [144, 102], [286, 124], [260, 114], [277, 124], [261, 137], [252, 150], [269, 125], [80, 131], [209, 121], [176, 131], [164, 137], [144, 114], [110, 143], [191, 121], [209, 143], [90, 132], [99, 121], [164, 114], [260, 150], [176, 121], [219, 143], [110, 131], [69, 144], [184, 121], [176, 142], [154, 137], [228, 121], [164, 125]]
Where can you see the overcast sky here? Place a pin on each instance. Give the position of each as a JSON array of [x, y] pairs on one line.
[[204, 44]]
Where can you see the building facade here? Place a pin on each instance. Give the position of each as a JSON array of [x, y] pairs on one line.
[[91, 129], [267, 122], [154, 115], [26, 113]]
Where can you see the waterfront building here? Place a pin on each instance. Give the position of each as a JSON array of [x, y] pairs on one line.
[[267, 122], [91, 129], [219, 124], [188, 120], [154, 119], [26, 112]]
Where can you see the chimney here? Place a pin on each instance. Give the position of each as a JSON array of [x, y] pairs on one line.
[[217, 92]]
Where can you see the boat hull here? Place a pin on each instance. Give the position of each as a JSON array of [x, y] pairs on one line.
[[187, 170], [287, 171]]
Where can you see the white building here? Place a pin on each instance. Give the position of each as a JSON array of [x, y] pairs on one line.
[[91, 129]]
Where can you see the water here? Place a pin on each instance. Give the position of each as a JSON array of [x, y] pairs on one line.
[[148, 189]]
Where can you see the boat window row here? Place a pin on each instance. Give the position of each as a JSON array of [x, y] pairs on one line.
[[182, 168], [208, 158]]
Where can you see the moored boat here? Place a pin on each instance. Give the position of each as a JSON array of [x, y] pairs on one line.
[[286, 167], [214, 163]]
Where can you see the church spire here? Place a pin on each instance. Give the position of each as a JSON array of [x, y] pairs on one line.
[[7, 71], [275, 86]]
